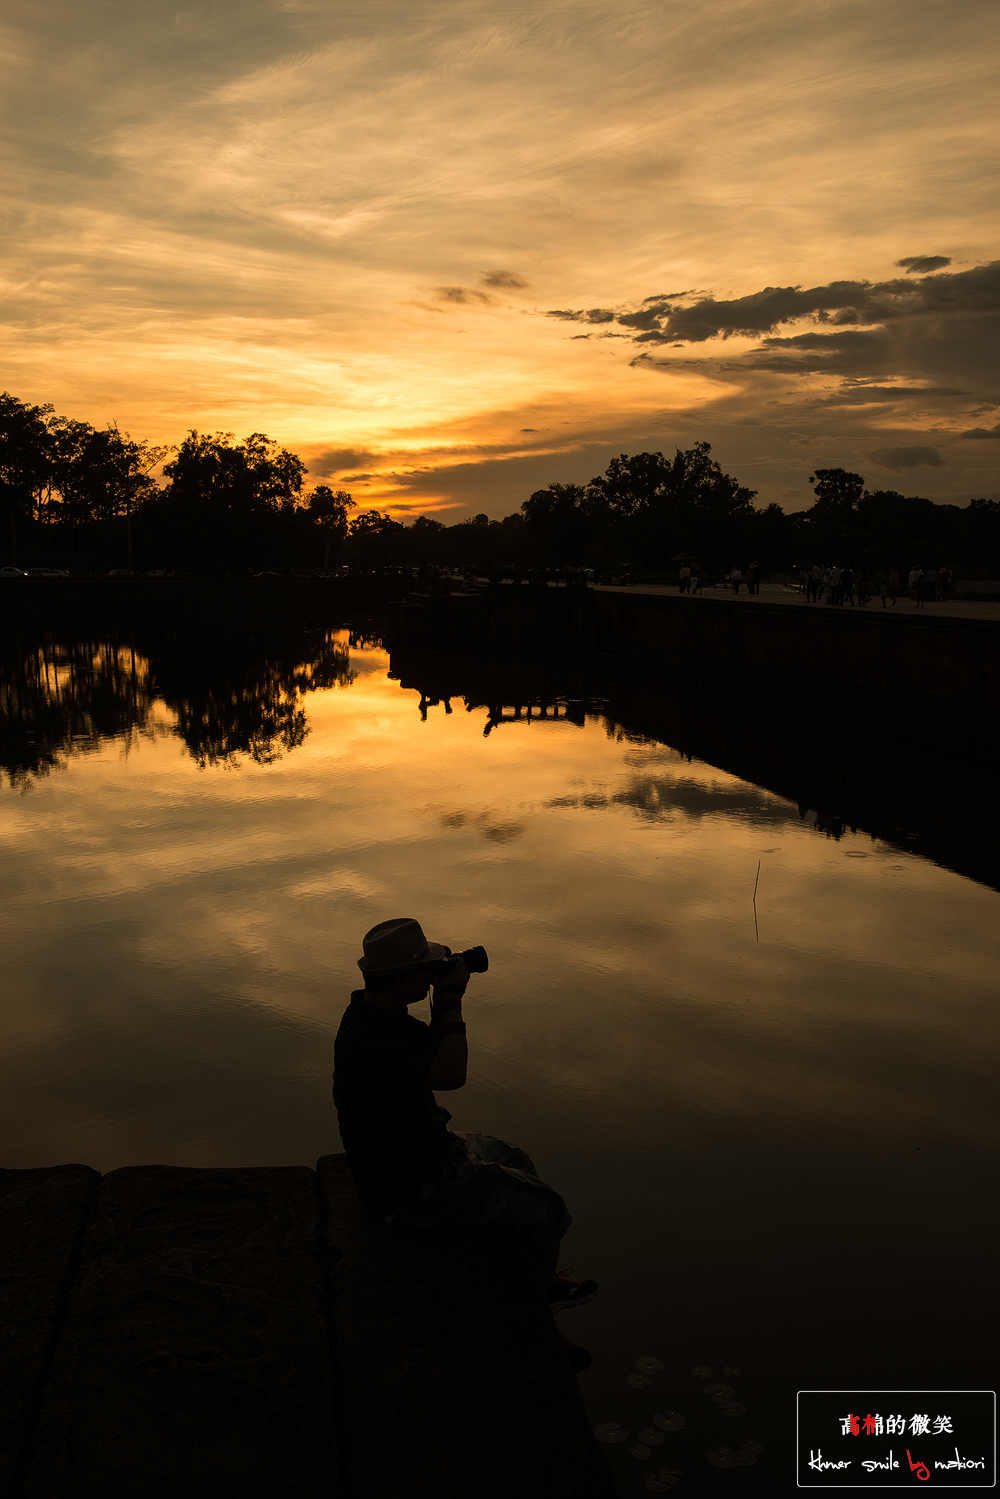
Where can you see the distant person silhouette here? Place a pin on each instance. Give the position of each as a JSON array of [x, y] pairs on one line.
[[409, 1168], [894, 586], [735, 577], [815, 585], [847, 586], [836, 597]]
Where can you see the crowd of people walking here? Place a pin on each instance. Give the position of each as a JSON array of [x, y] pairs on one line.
[[690, 578], [751, 577], [840, 585]]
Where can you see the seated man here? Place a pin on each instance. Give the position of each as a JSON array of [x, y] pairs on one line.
[[409, 1168]]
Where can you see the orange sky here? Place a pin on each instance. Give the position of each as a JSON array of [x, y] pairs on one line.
[[347, 227]]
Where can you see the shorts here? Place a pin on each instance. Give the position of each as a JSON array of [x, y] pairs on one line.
[[489, 1181]]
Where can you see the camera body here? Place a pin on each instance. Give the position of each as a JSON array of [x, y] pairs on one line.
[[474, 958]]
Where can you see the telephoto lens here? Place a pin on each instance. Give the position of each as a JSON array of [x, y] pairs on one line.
[[474, 958]]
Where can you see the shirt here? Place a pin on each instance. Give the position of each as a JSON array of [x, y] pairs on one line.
[[394, 1133]]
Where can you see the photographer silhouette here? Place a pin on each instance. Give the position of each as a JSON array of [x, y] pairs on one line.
[[409, 1168]]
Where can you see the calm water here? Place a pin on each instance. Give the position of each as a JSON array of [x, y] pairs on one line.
[[778, 1143]]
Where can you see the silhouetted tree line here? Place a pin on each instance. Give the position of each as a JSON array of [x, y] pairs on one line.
[[228, 507], [647, 510], [848, 523]]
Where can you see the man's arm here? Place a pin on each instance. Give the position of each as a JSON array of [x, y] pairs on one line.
[[450, 1065]]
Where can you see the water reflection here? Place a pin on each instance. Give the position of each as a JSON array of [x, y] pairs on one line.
[[225, 695], [61, 699], [897, 788], [234, 695], [750, 1135]]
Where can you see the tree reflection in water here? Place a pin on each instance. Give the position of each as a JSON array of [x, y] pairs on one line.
[[230, 695], [931, 799]]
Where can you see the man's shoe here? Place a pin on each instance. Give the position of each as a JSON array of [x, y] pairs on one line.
[[565, 1293], [578, 1357]]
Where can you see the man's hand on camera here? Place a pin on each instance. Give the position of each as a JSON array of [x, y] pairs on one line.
[[453, 986], [448, 1069]]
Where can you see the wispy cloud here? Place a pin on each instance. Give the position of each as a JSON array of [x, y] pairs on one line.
[[919, 265], [509, 280], [899, 459]]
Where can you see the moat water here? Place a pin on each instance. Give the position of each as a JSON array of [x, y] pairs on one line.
[[773, 1119]]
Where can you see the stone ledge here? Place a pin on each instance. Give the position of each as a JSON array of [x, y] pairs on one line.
[[194, 1359], [200, 1332], [456, 1381], [42, 1216]]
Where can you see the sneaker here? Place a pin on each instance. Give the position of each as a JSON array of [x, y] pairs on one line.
[[565, 1293], [578, 1357]]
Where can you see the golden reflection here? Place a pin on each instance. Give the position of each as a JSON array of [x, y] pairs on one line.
[[215, 920], [226, 696]]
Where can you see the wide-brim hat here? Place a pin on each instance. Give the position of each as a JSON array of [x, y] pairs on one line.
[[398, 946]]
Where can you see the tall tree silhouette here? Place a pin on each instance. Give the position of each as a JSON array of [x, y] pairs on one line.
[[226, 500], [329, 511], [25, 460]]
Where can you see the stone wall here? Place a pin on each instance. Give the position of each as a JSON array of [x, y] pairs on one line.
[[915, 675]]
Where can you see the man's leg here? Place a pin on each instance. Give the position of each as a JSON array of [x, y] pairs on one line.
[[496, 1182], [511, 1158]]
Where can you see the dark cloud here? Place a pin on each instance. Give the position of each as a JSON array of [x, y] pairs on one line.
[[461, 294], [863, 394], [594, 315], [987, 432], [919, 265], [333, 460], [508, 279], [760, 312], [646, 318], [839, 303], [850, 352], [899, 458]]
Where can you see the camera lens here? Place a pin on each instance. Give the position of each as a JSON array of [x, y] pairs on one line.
[[475, 959]]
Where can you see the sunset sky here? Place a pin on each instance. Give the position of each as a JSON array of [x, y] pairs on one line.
[[449, 252]]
